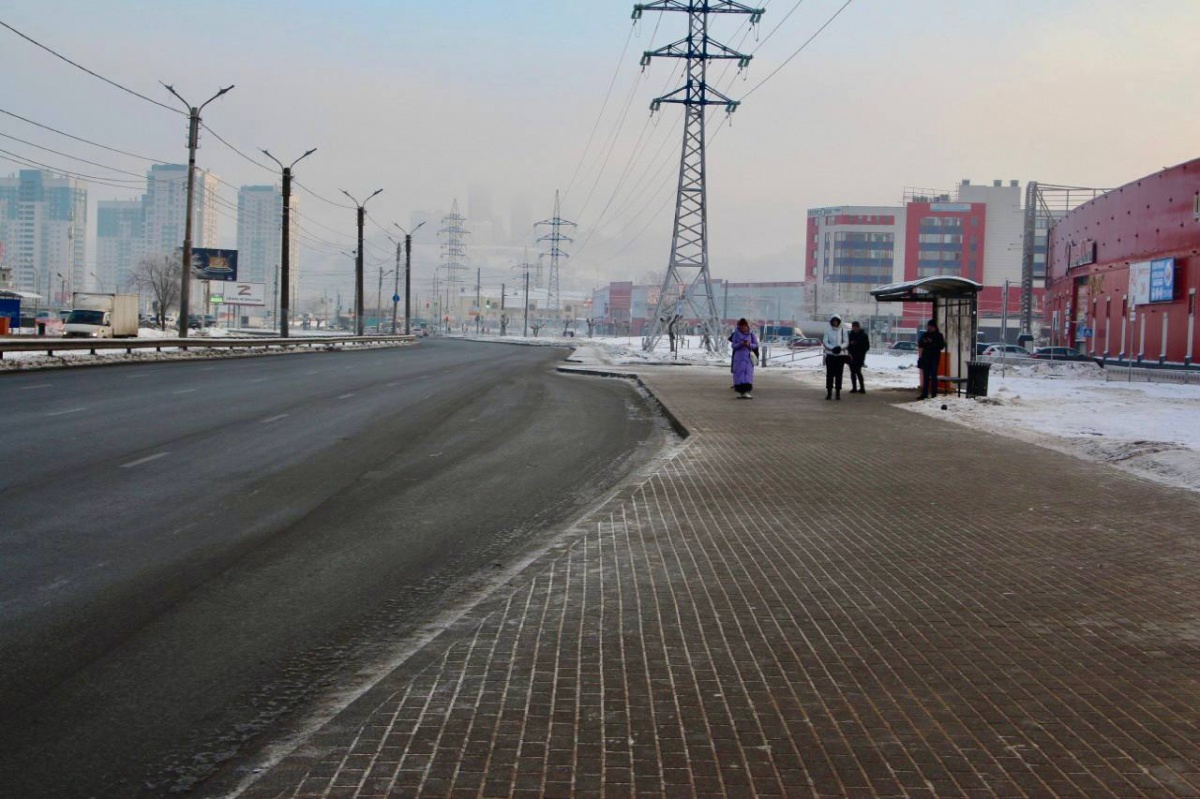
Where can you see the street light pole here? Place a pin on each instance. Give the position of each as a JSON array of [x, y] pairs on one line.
[[185, 269], [358, 263], [285, 245], [408, 277]]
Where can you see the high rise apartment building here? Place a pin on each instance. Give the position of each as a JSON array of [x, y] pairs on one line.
[[120, 244], [259, 236], [165, 205], [43, 220]]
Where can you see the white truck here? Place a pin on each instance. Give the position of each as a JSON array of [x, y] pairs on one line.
[[102, 316]]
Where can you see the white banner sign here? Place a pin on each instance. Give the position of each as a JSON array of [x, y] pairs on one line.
[[236, 293]]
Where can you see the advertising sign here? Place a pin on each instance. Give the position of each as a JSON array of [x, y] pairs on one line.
[[1152, 281], [1162, 280], [242, 293], [210, 264]]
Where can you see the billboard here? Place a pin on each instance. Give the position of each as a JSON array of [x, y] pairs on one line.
[[210, 264], [1152, 281], [240, 293]]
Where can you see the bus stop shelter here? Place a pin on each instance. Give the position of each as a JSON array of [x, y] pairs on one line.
[[955, 308]]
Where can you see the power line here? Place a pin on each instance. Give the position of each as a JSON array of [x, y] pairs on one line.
[[236, 150], [59, 55], [20, 159], [799, 50], [73, 157], [603, 107], [81, 139]]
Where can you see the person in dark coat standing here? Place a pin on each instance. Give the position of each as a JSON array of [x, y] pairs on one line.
[[859, 344], [835, 341], [929, 357], [744, 345]]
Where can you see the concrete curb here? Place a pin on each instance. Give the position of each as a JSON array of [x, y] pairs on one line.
[[676, 423]]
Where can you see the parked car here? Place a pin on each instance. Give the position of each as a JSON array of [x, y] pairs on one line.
[[1006, 351], [902, 346], [981, 347], [1061, 354], [803, 343]]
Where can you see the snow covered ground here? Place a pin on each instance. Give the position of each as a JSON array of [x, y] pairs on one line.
[[1150, 429]]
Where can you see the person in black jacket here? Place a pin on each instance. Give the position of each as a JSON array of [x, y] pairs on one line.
[[859, 344], [929, 356]]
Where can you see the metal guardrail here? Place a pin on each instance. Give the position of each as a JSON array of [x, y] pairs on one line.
[[1141, 374], [50, 344]]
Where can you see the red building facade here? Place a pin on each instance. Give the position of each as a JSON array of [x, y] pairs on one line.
[[1122, 271]]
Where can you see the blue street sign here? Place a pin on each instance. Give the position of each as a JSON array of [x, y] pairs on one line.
[[395, 298]]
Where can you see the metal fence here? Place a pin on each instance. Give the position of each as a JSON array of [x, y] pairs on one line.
[[1141, 374], [50, 345]]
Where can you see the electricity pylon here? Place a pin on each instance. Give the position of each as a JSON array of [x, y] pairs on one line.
[[454, 246], [687, 286], [556, 223]]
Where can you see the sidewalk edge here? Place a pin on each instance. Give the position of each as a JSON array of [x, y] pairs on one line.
[[676, 423]]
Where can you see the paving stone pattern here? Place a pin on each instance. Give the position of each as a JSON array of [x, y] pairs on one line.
[[834, 599]]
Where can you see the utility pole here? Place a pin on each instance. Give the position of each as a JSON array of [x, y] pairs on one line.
[[408, 277], [687, 282], [286, 244], [525, 329], [395, 284], [193, 143], [358, 262], [554, 237]]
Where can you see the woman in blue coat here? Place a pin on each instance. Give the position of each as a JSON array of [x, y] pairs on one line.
[[744, 345]]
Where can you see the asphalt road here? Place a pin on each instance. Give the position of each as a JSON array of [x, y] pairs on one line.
[[197, 557]]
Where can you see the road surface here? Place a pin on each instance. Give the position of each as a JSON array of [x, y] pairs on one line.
[[196, 557]]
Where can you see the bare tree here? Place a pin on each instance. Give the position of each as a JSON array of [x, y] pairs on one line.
[[158, 277]]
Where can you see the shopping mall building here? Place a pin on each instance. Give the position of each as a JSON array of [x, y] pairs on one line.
[[1122, 271]]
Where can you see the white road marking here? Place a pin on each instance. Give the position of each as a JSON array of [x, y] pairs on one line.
[[185, 391], [64, 413], [135, 377], [274, 418], [146, 459], [39, 385], [346, 396], [259, 379]]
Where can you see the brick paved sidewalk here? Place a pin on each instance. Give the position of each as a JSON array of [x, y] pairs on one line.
[[812, 599]]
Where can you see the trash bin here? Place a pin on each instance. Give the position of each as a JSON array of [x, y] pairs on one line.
[[4, 323], [977, 378], [41, 328]]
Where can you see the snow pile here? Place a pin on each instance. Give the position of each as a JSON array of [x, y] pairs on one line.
[[1149, 429]]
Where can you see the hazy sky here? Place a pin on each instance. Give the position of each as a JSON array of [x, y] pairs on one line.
[[438, 101]]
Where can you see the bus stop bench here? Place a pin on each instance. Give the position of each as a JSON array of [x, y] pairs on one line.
[[959, 383]]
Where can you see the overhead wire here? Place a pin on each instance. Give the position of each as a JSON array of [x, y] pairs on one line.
[[81, 139], [110, 82]]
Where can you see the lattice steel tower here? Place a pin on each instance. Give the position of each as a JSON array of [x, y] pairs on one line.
[[555, 237], [454, 249], [687, 286]]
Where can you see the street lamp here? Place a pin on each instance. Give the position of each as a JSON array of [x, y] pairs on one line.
[[99, 282], [407, 281], [62, 290], [193, 141], [285, 246], [358, 263]]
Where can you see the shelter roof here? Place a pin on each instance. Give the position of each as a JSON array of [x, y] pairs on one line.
[[926, 289]]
